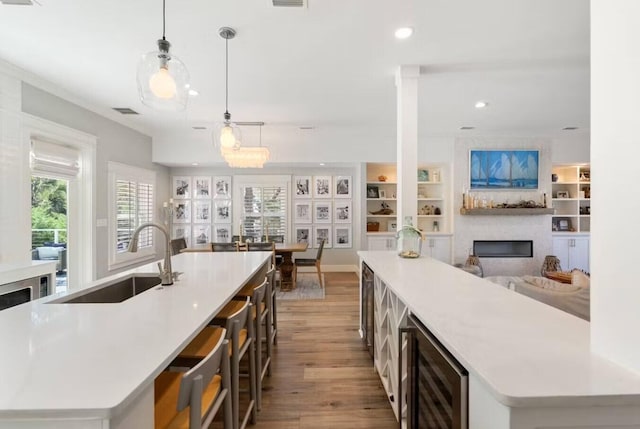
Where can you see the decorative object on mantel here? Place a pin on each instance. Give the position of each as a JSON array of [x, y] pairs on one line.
[[409, 242], [384, 210], [516, 211], [163, 80]]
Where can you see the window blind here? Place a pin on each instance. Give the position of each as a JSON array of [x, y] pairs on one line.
[[264, 211], [134, 206], [55, 160]]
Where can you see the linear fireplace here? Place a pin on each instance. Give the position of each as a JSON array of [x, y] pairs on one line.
[[503, 248]]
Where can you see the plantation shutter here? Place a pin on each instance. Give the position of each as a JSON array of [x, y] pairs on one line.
[[54, 160], [134, 206], [264, 211]]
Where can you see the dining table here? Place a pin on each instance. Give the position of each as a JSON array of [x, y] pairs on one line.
[[287, 280]]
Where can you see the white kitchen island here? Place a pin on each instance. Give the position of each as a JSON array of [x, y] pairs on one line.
[[530, 365], [93, 365]]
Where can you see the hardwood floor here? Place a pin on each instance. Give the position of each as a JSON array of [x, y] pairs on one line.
[[322, 376]]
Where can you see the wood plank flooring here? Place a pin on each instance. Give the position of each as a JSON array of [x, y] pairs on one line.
[[322, 376]]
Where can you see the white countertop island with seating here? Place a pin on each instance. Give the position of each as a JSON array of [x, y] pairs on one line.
[[530, 365], [93, 365]]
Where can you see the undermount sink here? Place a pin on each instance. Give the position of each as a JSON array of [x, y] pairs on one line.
[[113, 292]]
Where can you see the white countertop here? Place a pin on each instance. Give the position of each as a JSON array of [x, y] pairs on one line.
[[525, 352], [14, 272], [93, 359]]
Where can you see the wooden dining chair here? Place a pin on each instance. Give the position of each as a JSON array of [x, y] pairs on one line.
[[177, 244], [192, 399], [310, 262], [225, 247], [264, 247]]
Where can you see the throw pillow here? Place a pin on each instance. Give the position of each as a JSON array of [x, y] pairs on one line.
[[579, 278]]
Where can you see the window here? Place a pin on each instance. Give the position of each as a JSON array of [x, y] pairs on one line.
[[131, 203], [261, 206]]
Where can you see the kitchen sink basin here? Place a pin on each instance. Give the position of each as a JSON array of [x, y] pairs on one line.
[[113, 292]]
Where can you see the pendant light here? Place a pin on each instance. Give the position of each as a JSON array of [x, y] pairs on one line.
[[247, 157], [163, 80], [226, 135]]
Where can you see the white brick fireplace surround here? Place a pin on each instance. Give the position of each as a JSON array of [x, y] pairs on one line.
[[535, 227]]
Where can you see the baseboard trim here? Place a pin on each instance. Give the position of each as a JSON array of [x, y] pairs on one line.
[[330, 269]]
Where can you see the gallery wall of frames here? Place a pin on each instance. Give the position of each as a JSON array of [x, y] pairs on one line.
[[322, 209], [201, 210]]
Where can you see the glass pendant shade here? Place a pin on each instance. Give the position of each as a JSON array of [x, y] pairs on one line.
[[163, 80], [227, 135]]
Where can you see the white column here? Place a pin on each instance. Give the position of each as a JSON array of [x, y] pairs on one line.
[[407, 144], [615, 152], [15, 182]]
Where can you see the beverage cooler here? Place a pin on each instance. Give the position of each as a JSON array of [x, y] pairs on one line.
[[437, 385]]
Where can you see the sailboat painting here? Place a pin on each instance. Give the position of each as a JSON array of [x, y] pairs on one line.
[[503, 169]]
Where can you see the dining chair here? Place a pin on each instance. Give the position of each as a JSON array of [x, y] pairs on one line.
[[264, 247], [191, 399], [225, 247], [177, 244], [310, 262]]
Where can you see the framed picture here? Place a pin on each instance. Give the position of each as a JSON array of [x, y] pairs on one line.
[[342, 187], [222, 211], [222, 233], [423, 175], [182, 231], [342, 236], [373, 191], [562, 194], [503, 169], [322, 212], [322, 187], [322, 232], [392, 226], [303, 234], [303, 186], [562, 224], [202, 187], [302, 212], [201, 234], [342, 212], [382, 193], [202, 212], [222, 187], [181, 187], [182, 212]]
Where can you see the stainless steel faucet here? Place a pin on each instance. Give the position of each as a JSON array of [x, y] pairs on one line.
[[166, 275]]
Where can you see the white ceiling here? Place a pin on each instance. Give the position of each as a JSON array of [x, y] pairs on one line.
[[329, 65]]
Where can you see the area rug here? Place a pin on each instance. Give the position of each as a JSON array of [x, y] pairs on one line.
[[307, 287]]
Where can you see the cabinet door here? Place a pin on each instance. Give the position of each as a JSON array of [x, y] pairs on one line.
[[561, 250], [438, 248], [377, 243], [579, 254]]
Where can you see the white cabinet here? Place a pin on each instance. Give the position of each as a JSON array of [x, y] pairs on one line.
[[573, 251], [382, 242], [438, 248]]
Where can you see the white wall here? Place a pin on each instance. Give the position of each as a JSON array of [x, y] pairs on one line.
[[470, 228], [615, 149], [115, 143]]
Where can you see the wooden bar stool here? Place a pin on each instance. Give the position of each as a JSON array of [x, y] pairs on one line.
[[192, 399]]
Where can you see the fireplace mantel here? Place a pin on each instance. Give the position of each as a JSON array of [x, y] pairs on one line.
[[507, 212]]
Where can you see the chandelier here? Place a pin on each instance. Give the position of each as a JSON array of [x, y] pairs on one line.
[[247, 156]]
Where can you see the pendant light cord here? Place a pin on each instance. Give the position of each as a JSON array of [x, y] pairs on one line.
[[226, 76], [163, 19]]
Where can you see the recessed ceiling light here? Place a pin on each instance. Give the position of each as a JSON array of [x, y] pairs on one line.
[[569, 128], [467, 128], [404, 32], [322, 164], [481, 104], [194, 163], [193, 92]]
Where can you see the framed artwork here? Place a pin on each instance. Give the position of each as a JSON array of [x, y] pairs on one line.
[[202, 187], [302, 212], [322, 232], [342, 187], [373, 191], [303, 186], [503, 169], [182, 231], [562, 194], [222, 187], [181, 187], [322, 212], [561, 224], [303, 234], [342, 212], [222, 211], [342, 236], [222, 234], [182, 212], [322, 187], [202, 212], [201, 234]]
